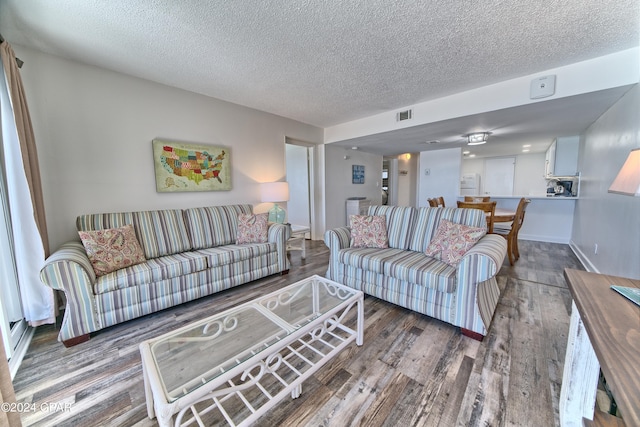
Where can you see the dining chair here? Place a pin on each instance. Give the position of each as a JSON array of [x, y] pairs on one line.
[[436, 201], [510, 232], [488, 207], [477, 198]]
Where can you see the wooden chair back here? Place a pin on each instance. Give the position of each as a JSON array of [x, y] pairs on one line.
[[477, 198], [436, 201], [518, 219], [488, 207], [511, 234]]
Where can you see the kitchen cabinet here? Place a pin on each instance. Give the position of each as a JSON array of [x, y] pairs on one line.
[[561, 158]]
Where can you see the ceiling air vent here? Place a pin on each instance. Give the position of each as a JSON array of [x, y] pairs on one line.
[[404, 115]]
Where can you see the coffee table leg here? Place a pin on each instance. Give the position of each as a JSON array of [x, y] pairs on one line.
[[147, 393], [296, 392], [360, 336]]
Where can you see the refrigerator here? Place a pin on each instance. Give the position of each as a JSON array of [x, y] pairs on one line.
[[470, 184]]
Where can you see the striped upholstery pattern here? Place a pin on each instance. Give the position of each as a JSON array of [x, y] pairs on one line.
[[153, 270], [465, 296], [172, 274], [229, 254], [399, 224], [413, 267], [428, 219], [70, 270], [160, 233], [214, 226], [132, 302]]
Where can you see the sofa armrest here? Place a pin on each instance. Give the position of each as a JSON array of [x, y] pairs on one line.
[[68, 269], [280, 233], [484, 259], [478, 289], [336, 239]]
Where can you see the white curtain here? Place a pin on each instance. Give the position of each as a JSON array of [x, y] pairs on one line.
[[29, 252]]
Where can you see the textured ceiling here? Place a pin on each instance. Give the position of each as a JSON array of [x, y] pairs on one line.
[[324, 62]]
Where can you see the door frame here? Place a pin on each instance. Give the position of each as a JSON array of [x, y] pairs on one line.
[[311, 179]]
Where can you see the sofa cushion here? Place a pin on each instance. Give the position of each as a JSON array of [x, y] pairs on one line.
[[452, 241], [229, 254], [111, 249], [215, 225], [162, 232], [413, 267], [428, 220], [416, 267], [152, 270], [252, 228], [370, 259], [399, 224], [368, 231]]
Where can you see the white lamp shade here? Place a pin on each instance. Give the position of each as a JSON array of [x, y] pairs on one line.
[[628, 180], [275, 191]]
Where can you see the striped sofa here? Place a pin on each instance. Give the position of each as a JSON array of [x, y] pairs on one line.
[[465, 296], [189, 254]]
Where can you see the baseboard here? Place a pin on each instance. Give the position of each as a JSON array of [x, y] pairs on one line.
[[584, 260], [546, 239]]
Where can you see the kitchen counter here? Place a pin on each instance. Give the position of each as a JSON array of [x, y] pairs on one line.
[[540, 196], [547, 219]]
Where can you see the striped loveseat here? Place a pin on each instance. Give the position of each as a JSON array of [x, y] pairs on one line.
[[465, 295], [189, 254]]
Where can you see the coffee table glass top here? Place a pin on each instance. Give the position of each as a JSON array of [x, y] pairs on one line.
[[198, 353]]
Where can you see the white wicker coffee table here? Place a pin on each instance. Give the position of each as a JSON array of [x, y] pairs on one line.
[[234, 366]]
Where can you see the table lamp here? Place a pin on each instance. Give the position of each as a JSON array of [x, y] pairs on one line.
[[628, 180], [275, 192]]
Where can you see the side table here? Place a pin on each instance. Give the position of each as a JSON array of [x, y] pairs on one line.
[[297, 241], [604, 334]]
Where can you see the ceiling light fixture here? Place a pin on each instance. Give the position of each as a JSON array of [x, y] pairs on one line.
[[477, 138]]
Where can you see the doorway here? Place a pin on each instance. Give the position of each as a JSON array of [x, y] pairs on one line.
[[299, 165]]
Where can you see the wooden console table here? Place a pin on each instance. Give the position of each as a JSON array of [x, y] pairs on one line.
[[611, 343]]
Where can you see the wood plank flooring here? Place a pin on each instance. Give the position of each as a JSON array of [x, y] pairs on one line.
[[411, 371]]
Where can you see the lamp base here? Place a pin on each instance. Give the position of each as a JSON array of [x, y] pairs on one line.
[[277, 214]]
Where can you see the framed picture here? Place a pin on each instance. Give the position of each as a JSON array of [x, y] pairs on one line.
[[189, 167], [357, 174]]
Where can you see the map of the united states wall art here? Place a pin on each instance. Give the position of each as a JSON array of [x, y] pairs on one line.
[[189, 167]]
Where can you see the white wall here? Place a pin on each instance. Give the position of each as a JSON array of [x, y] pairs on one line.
[[94, 129], [407, 183], [609, 220], [529, 174], [444, 175], [339, 186]]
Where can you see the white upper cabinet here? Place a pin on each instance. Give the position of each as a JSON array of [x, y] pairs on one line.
[[561, 158]]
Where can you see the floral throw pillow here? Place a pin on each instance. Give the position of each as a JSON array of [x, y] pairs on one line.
[[452, 241], [368, 231], [112, 249], [252, 228]]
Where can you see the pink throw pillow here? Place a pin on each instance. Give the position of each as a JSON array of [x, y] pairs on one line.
[[452, 241], [252, 228], [112, 249], [368, 231]]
